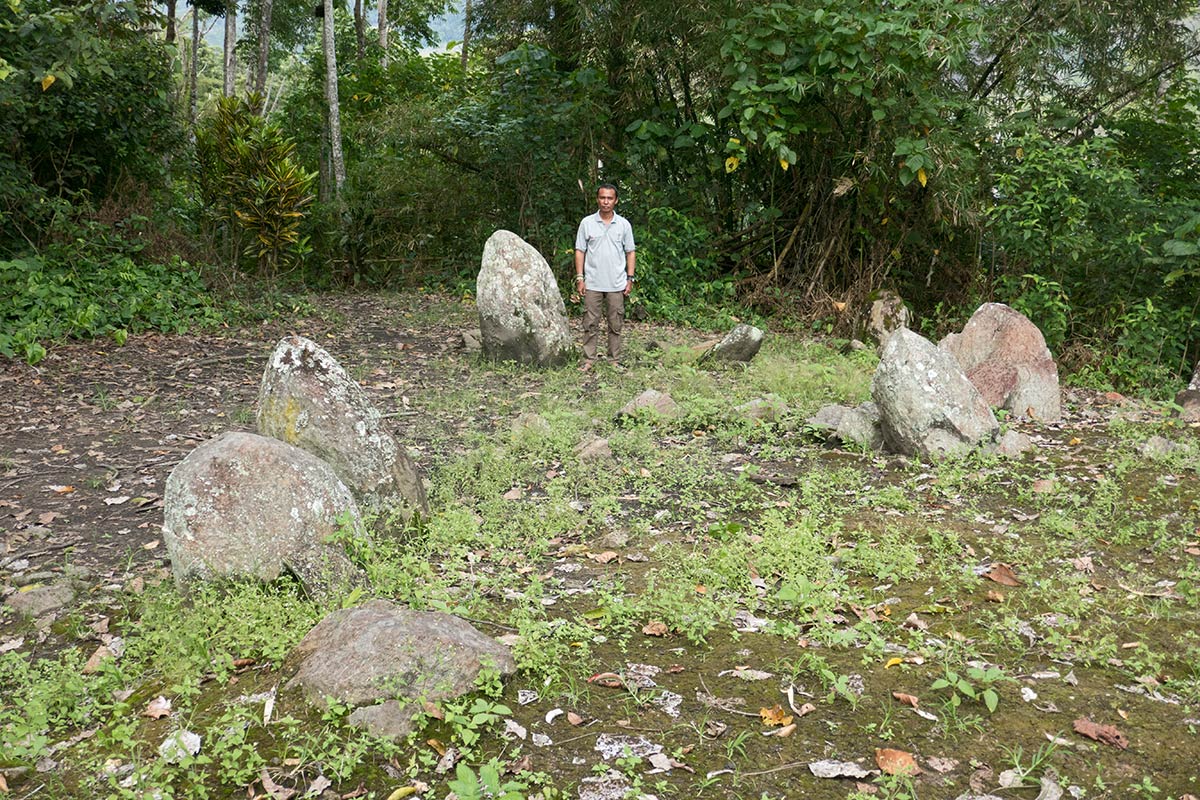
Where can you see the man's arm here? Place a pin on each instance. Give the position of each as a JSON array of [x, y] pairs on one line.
[[579, 285], [630, 268]]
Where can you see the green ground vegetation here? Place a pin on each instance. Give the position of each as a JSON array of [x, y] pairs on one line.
[[751, 564]]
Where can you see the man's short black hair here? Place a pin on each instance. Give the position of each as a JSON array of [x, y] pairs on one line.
[[612, 186]]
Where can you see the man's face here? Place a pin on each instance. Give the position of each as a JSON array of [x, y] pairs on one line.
[[606, 199]]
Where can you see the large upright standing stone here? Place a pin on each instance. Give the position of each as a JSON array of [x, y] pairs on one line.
[[308, 400], [888, 315], [926, 404], [521, 312], [247, 506], [740, 344], [1006, 358]]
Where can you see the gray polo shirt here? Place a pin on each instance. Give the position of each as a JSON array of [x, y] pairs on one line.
[[604, 248]]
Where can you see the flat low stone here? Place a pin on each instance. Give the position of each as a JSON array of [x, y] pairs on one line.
[[1157, 447], [660, 402], [770, 408], [39, 600], [858, 425], [593, 450], [386, 661], [861, 426], [531, 424], [308, 400], [1013, 443], [472, 340], [927, 406], [740, 344], [245, 506], [522, 316]]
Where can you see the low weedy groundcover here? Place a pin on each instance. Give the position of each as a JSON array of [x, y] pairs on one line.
[[743, 610]]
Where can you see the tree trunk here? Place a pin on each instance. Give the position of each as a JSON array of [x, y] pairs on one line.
[[383, 32], [264, 46], [195, 51], [331, 98], [360, 29], [170, 22], [466, 32], [230, 43]]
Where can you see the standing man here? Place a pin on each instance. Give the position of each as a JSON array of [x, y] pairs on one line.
[[604, 267]]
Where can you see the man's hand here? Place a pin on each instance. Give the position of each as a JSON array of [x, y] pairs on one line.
[[628, 287]]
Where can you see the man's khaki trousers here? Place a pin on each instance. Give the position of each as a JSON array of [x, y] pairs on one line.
[[591, 322]]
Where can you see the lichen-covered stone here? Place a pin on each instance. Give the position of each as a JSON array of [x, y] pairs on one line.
[[247, 506], [308, 400], [926, 404], [521, 312], [386, 661]]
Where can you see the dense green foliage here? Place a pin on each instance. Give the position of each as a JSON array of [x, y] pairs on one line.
[[789, 156]]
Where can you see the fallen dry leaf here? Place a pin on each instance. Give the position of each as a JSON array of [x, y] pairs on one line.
[[1105, 734], [1043, 486], [273, 789], [907, 699], [432, 710], [1002, 574], [942, 765], [48, 517], [93, 662], [515, 493], [775, 716], [574, 718], [896, 762], [786, 730], [995, 597], [655, 628], [158, 708], [62, 489], [605, 557]]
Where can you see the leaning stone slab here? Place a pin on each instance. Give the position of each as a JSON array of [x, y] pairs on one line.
[[740, 344], [1005, 356], [247, 506], [386, 661], [660, 402], [38, 600], [521, 312], [927, 406], [308, 400]]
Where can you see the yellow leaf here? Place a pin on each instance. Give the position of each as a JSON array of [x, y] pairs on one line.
[[403, 791], [783, 162], [922, 177], [731, 163], [1020, 152], [775, 716], [48, 81], [892, 662]]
